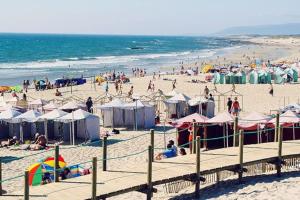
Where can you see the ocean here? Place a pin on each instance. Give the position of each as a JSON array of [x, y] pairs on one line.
[[36, 56]]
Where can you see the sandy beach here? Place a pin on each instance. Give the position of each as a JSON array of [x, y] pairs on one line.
[[252, 98]]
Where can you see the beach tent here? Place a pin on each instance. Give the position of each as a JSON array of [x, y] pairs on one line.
[[254, 122], [177, 106], [5, 127], [112, 113], [279, 76], [253, 79], [184, 125], [229, 78], [223, 119], [202, 106], [217, 78], [292, 107], [287, 119], [237, 78], [139, 114], [27, 121], [87, 125], [52, 128], [185, 122]]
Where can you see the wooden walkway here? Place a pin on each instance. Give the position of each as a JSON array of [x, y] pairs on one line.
[[111, 183]]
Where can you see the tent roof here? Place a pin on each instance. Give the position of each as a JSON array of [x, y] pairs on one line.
[[4, 106], [50, 106], [287, 117], [189, 119], [178, 98], [251, 121], [172, 93], [197, 100], [29, 116], [9, 114], [220, 118], [38, 102], [77, 115], [72, 105], [54, 114], [113, 104], [135, 104]]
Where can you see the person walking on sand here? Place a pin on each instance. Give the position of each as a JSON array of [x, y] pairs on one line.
[[229, 105], [89, 105], [117, 86], [149, 86], [235, 107], [206, 91], [174, 85], [271, 92], [130, 93]]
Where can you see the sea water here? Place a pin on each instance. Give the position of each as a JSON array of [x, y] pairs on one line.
[[36, 56]]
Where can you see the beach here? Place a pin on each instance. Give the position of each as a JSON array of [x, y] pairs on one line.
[[254, 97]]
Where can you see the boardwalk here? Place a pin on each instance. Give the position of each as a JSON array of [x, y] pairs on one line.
[[111, 183]]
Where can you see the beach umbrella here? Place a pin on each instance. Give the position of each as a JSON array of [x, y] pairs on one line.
[[37, 170], [4, 88]]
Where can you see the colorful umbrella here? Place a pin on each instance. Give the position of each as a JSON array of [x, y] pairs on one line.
[[37, 170], [4, 88]]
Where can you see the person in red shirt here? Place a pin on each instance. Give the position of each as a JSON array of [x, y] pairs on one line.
[[235, 107]]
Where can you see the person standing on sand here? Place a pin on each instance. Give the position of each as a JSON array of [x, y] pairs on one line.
[[117, 86], [271, 92], [149, 86], [106, 87], [89, 105], [229, 105]]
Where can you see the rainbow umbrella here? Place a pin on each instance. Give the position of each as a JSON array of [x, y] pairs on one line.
[[37, 170]]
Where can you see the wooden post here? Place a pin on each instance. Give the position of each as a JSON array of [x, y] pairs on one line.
[[194, 138], [197, 185], [278, 165], [241, 156], [26, 185], [56, 164], [104, 156], [235, 132], [149, 178], [152, 140], [0, 176], [94, 179], [276, 128], [205, 137]]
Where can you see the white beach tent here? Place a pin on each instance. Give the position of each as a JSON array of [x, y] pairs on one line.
[[177, 105], [51, 116], [30, 116], [72, 105], [112, 113], [139, 115], [87, 125], [208, 110], [7, 116]]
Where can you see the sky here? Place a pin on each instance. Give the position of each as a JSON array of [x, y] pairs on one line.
[[142, 17]]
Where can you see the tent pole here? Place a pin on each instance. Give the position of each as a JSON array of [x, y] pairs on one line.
[[227, 134], [257, 135], [294, 137], [224, 138], [46, 128], [73, 128], [165, 134], [21, 132], [70, 133]]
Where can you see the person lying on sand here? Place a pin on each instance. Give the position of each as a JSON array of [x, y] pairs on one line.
[[10, 142], [168, 153]]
